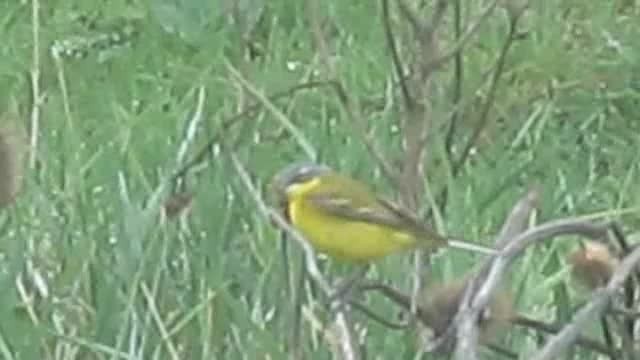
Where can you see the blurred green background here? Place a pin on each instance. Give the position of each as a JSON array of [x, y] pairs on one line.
[[88, 273]]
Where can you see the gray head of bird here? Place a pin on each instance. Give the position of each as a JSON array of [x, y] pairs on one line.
[[291, 175]]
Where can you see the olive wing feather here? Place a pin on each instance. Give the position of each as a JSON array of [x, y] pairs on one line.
[[373, 210]]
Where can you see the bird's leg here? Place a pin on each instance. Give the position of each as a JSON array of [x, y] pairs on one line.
[[345, 287]]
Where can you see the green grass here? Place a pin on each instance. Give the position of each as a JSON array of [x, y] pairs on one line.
[[114, 281]]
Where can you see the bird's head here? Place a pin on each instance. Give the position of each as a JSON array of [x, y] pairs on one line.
[[292, 177]]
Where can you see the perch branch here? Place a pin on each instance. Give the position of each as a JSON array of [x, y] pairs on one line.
[[347, 343], [598, 304]]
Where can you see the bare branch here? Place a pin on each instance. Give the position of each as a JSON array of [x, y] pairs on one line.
[[517, 220], [230, 122], [347, 341], [487, 280], [353, 112], [464, 39], [36, 95], [458, 78], [275, 216], [376, 317], [582, 341], [313, 11], [404, 301], [630, 286], [395, 57], [302, 140], [599, 302], [411, 17], [436, 18], [488, 103]]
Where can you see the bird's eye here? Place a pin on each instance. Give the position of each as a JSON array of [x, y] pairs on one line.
[[302, 177]]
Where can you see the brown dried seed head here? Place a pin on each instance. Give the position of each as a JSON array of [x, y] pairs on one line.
[[177, 204], [593, 265], [11, 166], [442, 301]]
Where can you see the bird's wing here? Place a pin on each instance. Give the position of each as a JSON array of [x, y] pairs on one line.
[[375, 211], [345, 207], [412, 221]]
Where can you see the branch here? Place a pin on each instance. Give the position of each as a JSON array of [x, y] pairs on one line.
[[484, 112], [36, 95], [404, 301], [600, 300], [395, 57], [303, 142], [582, 341], [487, 280], [464, 39], [458, 78], [516, 222], [347, 340], [372, 146], [230, 122]]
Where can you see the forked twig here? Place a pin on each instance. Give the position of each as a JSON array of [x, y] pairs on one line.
[[353, 112], [277, 113], [228, 123], [514, 224], [512, 242], [598, 304], [466, 36], [483, 116], [489, 277]]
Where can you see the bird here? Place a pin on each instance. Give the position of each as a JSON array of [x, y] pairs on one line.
[[346, 220]]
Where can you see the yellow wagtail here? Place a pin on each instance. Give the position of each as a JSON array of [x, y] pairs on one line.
[[344, 218]]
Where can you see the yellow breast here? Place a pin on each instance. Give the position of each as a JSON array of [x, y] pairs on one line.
[[344, 239]]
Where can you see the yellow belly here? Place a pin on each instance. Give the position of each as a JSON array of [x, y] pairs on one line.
[[346, 239]]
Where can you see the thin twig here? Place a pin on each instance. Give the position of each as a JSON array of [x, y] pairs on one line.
[[275, 216], [412, 18], [353, 113], [296, 291], [464, 39], [483, 116], [395, 57], [153, 309], [514, 224], [629, 346], [347, 341], [608, 337], [228, 123], [417, 117], [313, 12], [36, 97], [582, 341], [624, 312], [517, 220], [484, 284], [502, 351], [192, 126], [458, 77], [601, 298], [399, 298], [376, 317], [629, 286], [301, 139]]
